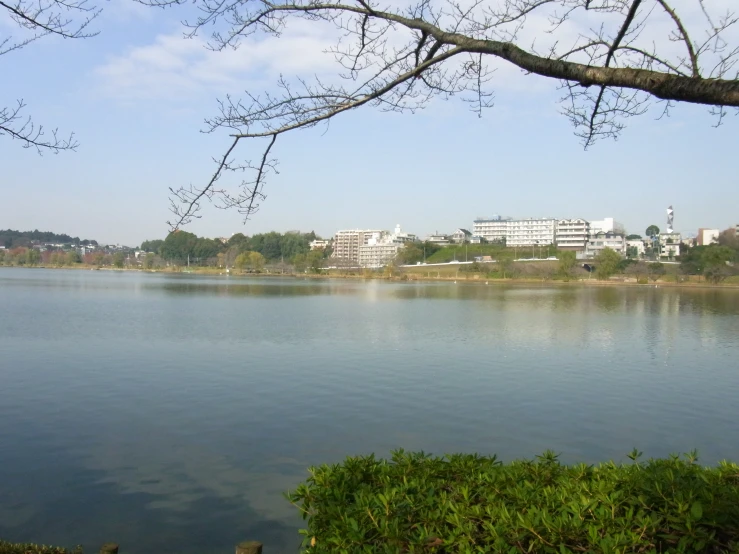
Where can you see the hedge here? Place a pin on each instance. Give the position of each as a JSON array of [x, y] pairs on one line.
[[470, 503], [18, 548]]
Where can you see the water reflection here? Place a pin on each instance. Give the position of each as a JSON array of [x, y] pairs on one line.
[[169, 413]]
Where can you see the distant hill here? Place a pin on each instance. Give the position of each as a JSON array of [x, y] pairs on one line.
[[12, 239]]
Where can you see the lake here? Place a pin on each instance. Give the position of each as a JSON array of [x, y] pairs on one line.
[[170, 412]]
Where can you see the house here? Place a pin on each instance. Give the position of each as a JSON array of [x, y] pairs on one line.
[[461, 236], [440, 239]]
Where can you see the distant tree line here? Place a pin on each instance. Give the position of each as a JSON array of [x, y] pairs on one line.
[[240, 251], [13, 239]]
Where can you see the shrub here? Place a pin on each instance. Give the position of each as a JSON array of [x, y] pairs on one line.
[[12, 548], [470, 503]]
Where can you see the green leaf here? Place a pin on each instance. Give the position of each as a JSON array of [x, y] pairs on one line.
[[696, 510]]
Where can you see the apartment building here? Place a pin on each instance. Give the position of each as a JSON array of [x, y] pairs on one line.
[[382, 247], [347, 243], [607, 225], [707, 236], [516, 232], [492, 229], [598, 242], [572, 234], [531, 232]]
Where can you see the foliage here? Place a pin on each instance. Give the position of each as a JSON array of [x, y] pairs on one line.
[[149, 261], [632, 252], [414, 252], [10, 238], [13, 548], [118, 259], [459, 251], [633, 237], [656, 270], [567, 261], [652, 231], [607, 263], [33, 256], [471, 503], [152, 245], [710, 261]]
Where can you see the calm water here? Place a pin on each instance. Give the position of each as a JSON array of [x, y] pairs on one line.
[[170, 413]]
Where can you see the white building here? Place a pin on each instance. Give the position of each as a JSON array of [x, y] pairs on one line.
[[572, 234], [531, 232], [319, 244], [707, 236], [382, 247], [439, 238], [607, 225], [516, 232], [599, 242], [669, 245], [492, 229], [638, 244], [460, 236], [347, 243]]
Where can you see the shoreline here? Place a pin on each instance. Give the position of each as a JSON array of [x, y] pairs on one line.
[[406, 278]]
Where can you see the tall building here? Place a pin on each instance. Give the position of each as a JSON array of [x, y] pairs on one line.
[[516, 232], [347, 243], [707, 236], [382, 247], [607, 225], [572, 234], [492, 229]]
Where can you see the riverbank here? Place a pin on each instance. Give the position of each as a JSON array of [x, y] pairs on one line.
[[446, 275]]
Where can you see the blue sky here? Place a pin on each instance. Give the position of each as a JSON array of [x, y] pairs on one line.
[[136, 96]]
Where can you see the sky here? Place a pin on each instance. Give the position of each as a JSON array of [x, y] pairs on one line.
[[136, 96]]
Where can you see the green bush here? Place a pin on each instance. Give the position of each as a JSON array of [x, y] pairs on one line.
[[13, 548], [470, 503]]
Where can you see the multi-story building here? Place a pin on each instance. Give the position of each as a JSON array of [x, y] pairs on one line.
[[572, 234], [607, 225], [492, 229], [669, 245], [599, 242], [531, 232], [347, 243], [707, 236], [382, 247], [516, 232], [638, 244]]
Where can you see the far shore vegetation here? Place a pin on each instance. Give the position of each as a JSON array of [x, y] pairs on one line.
[[291, 254]]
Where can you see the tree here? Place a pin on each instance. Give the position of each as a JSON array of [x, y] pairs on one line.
[[639, 270], [118, 259], [632, 252], [299, 262], [656, 270], [73, 257], [149, 261], [314, 260], [633, 237], [567, 261], [241, 261], [152, 245], [410, 254], [33, 256], [399, 58], [256, 261], [652, 231], [606, 263], [33, 20], [98, 258]]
